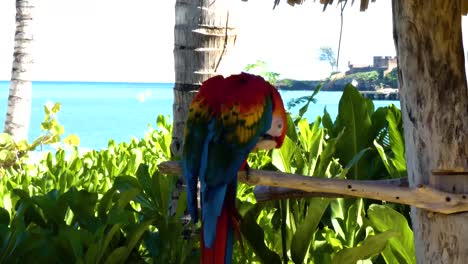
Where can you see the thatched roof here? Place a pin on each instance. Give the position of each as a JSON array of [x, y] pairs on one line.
[[325, 3], [363, 4]]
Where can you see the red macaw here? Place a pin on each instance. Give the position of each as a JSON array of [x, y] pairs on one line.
[[228, 119]]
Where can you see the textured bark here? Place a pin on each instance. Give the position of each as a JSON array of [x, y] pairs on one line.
[[434, 104], [202, 35], [19, 100]]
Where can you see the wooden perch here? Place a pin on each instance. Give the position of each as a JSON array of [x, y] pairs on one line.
[[396, 191]]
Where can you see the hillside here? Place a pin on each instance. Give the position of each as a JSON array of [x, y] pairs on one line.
[[364, 81]]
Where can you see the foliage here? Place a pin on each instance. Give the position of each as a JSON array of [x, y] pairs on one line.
[[11, 153], [260, 68], [370, 76], [360, 144], [112, 206], [327, 54], [304, 99], [391, 79], [109, 206]]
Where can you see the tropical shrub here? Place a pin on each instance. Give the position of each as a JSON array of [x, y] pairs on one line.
[[391, 79], [108, 206], [362, 143], [371, 76], [112, 206]]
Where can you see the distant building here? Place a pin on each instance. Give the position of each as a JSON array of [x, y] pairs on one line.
[[382, 64]]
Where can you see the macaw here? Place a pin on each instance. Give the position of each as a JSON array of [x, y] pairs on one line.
[[228, 118]]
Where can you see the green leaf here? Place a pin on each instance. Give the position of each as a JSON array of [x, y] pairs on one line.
[[328, 123], [56, 108], [83, 204], [53, 206], [354, 115], [6, 141], [281, 158], [123, 183], [117, 256], [397, 143], [384, 218], [181, 204], [373, 245], [353, 221], [331, 238], [4, 217], [6, 155], [254, 234], [105, 203], [291, 131], [390, 168], [304, 233]]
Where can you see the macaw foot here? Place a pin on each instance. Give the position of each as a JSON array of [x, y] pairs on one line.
[[247, 171], [246, 168]]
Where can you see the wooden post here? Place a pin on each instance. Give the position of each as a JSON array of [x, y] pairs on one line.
[[450, 181], [434, 106]]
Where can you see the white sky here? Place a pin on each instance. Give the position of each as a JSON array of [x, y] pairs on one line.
[[132, 40]]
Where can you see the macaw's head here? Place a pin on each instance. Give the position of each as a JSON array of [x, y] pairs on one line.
[[274, 137]]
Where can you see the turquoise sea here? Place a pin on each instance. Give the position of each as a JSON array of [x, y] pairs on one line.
[[99, 111]]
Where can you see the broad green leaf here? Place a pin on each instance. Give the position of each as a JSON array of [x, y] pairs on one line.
[[390, 168], [331, 238], [6, 155], [6, 141], [397, 143], [281, 158], [123, 183], [305, 134], [83, 204], [117, 256], [353, 221], [52, 205], [304, 233], [384, 218], [4, 217], [23, 145], [181, 204], [328, 123], [291, 131], [370, 247], [103, 247], [354, 115], [338, 207], [254, 234], [136, 235], [379, 121], [56, 108], [353, 162], [326, 156]]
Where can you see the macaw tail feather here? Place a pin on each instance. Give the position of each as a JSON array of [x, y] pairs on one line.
[[221, 250]]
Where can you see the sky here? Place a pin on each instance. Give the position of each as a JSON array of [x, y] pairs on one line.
[[132, 40]]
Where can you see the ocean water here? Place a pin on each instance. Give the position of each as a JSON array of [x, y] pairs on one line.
[[99, 111]]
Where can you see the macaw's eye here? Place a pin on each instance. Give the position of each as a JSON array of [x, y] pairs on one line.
[[280, 125]]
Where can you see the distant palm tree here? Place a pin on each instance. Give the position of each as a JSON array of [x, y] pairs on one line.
[[203, 33], [19, 100]]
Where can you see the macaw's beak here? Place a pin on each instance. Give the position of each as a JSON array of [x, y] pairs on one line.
[[273, 138], [267, 142]]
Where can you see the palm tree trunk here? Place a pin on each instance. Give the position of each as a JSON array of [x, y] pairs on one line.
[[203, 34], [434, 104], [19, 100]]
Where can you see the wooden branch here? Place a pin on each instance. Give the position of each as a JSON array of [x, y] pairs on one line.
[[268, 193], [396, 191]]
